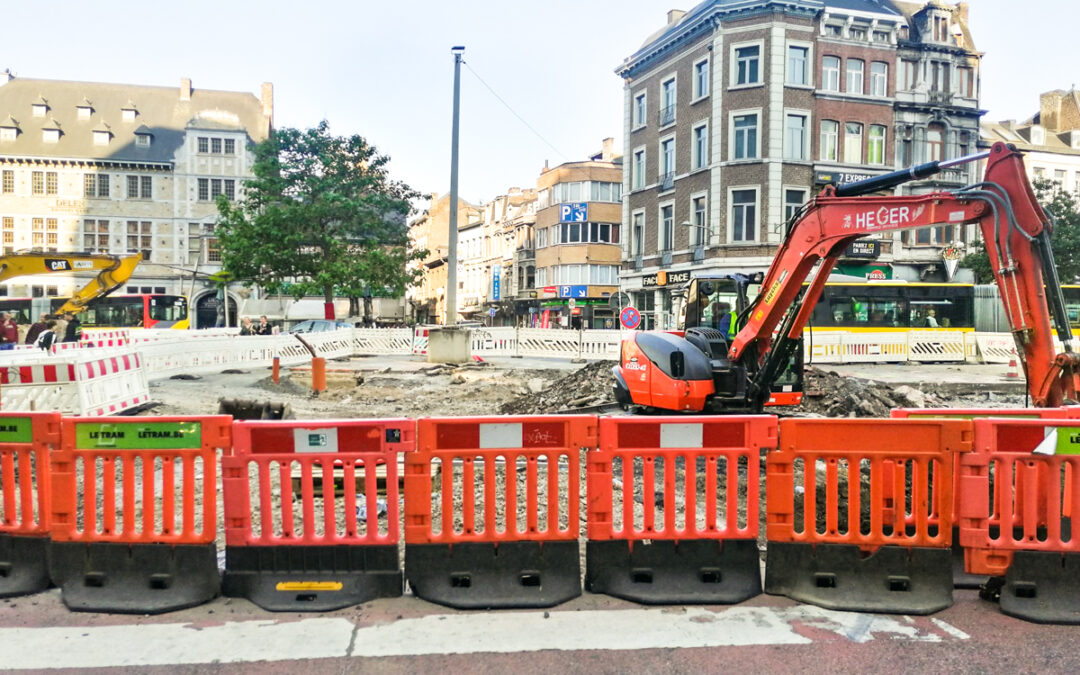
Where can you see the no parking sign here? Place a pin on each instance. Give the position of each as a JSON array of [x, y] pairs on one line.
[[630, 318]]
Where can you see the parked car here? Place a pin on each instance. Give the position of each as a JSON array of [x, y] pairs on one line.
[[319, 326]]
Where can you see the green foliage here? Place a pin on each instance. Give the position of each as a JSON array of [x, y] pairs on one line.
[[321, 213], [1064, 239]]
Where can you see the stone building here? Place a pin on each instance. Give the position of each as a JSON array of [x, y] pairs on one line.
[[1050, 139], [430, 231], [125, 168]]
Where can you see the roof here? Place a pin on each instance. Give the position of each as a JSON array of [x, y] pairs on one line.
[[160, 112], [1020, 136], [871, 6]]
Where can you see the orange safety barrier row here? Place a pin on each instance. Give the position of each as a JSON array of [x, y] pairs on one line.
[[151, 547], [26, 439], [465, 545], [829, 506], [312, 547], [1018, 491], [648, 543]]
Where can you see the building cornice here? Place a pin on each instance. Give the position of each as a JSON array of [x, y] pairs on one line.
[[87, 162]]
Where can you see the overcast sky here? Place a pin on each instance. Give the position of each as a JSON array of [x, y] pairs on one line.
[[384, 69]]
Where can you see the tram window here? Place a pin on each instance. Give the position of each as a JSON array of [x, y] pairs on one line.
[[1074, 314], [868, 312]]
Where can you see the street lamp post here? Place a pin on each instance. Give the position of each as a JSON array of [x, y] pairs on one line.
[[451, 272]]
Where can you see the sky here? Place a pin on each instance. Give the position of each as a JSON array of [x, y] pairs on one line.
[[384, 70]]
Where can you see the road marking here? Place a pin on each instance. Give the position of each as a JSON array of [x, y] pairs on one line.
[[493, 632]]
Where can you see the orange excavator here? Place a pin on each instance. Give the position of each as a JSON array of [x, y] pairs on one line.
[[705, 370]]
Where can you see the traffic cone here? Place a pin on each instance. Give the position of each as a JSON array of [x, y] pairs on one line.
[[1014, 370]]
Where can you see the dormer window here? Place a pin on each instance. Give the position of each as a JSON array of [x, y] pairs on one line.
[[84, 109], [129, 112], [102, 134], [50, 133], [40, 109], [143, 137], [1038, 136], [8, 133]]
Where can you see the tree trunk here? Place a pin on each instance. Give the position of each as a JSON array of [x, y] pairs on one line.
[[368, 320], [328, 303], [354, 306]]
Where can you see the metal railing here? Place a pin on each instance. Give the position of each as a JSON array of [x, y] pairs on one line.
[[666, 116]]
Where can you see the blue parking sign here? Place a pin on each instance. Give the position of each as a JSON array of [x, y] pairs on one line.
[[574, 213]]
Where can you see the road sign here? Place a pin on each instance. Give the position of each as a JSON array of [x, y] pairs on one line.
[[574, 213], [496, 282], [571, 303], [619, 300], [630, 318], [578, 292], [491, 312]]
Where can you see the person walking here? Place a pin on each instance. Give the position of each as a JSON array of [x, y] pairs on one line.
[[37, 328], [73, 331], [46, 337], [8, 337]]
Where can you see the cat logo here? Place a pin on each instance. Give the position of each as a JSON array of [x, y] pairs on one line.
[[57, 265]]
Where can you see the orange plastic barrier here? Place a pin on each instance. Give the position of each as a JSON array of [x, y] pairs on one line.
[[962, 578], [26, 439], [673, 508], [133, 509], [313, 547], [492, 510], [839, 536], [1015, 511]]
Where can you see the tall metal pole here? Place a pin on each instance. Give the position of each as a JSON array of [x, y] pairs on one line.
[[451, 272]]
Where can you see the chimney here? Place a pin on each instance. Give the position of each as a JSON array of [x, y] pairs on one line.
[[608, 152], [545, 169], [267, 99], [185, 88], [6, 76], [674, 15], [962, 12], [1050, 109]]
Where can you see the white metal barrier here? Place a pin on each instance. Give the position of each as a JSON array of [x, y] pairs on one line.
[[936, 345], [495, 341], [330, 344], [77, 383], [547, 342], [385, 341]]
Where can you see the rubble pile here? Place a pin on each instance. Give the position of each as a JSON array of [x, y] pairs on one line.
[[587, 386], [829, 394]]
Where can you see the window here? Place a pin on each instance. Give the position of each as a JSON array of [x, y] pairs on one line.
[[639, 169], [939, 76], [215, 187], [53, 136], [701, 79], [204, 144], [640, 110], [857, 34], [230, 146], [797, 60], [128, 114], [202, 245], [700, 150], [667, 227], [834, 30], [585, 233], [699, 235], [667, 159], [637, 245], [9, 182], [37, 232], [96, 235], [204, 189], [853, 143], [139, 236], [101, 137], [747, 65], [146, 187], [39, 109], [133, 187], [667, 102], [103, 185], [875, 149], [50, 183], [908, 72], [830, 73], [964, 79], [142, 140], [1059, 178], [830, 130], [880, 36], [935, 134], [793, 201], [230, 189], [541, 238], [8, 133], [795, 136], [879, 78], [745, 137], [743, 215], [854, 76], [215, 146], [37, 182]]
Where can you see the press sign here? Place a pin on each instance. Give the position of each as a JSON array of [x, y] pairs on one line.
[[16, 430], [138, 436]]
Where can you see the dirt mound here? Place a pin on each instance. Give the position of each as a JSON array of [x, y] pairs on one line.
[[589, 385], [829, 394]]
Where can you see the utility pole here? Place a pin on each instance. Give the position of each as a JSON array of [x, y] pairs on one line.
[[451, 272]]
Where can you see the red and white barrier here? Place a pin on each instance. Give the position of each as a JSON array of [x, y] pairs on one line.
[[76, 382]]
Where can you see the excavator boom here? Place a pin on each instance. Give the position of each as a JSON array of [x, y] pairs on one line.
[[113, 272]]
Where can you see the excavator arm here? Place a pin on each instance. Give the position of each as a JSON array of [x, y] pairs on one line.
[[1017, 235], [113, 272]]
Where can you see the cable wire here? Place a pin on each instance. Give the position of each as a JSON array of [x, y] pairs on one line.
[[514, 112]]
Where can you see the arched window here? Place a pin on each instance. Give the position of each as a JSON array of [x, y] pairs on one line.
[[935, 142]]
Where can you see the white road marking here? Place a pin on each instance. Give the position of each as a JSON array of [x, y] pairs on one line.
[[491, 632]]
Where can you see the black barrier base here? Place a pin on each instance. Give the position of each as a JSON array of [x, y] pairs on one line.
[[1043, 587], [489, 576], [960, 577], [311, 578], [134, 578], [837, 576], [22, 565], [703, 571]]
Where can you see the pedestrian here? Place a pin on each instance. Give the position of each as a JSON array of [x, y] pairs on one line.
[[73, 331], [37, 328], [264, 327], [46, 337], [6, 342], [248, 328], [11, 330]]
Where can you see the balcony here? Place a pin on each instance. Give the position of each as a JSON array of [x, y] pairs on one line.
[[667, 181], [523, 254], [666, 116], [699, 254]]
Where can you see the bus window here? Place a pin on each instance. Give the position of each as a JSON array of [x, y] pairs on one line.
[[168, 308]]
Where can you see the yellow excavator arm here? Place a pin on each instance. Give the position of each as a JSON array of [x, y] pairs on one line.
[[113, 271]]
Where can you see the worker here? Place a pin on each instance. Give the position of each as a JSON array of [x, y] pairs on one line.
[[73, 330], [721, 317]]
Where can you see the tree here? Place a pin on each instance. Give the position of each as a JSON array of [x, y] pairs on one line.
[[321, 214], [1064, 240]]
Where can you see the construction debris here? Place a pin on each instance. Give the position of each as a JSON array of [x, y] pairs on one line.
[[587, 386]]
